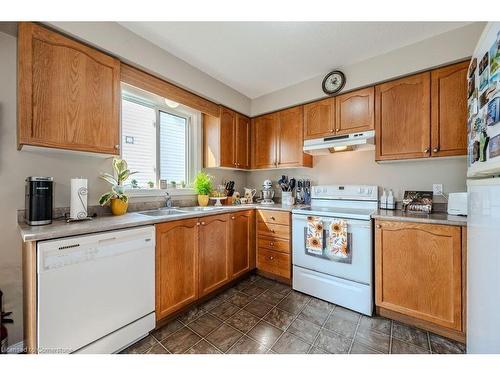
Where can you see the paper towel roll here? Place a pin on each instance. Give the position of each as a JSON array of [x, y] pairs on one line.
[[78, 204]]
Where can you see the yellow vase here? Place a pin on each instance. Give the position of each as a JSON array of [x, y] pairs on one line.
[[203, 200], [118, 207]]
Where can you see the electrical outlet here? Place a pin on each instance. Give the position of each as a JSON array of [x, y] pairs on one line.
[[437, 189]]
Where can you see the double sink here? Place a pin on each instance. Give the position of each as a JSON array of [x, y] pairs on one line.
[[178, 211]]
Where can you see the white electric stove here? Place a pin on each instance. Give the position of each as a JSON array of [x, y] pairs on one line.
[[348, 283]]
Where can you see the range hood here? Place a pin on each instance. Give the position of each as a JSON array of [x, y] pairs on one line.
[[336, 143]]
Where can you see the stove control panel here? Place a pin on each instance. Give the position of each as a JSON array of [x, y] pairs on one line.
[[347, 192]]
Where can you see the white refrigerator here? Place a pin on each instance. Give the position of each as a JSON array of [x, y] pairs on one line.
[[483, 185]]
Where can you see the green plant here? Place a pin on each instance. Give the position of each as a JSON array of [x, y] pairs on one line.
[[134, 183], [203, 184], [116, 180], [151, 184]]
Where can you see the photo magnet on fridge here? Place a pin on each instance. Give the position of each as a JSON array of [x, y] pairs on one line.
[[472, 67], [495, 56], [493, 111], [483, 145], [494, 146], [483, 99], [472, 86], [483, 72]]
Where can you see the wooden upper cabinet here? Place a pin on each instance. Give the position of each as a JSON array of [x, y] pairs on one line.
[[418, 271], [264, 130], [449, 110], [226, 140], [68, 93], [402, 118], [319, 119], [214, 261], [228, 134], [176, 265], [242, 142], [290, 141], [355, 111], [242, 242]]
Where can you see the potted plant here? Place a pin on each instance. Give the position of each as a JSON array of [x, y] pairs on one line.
[[203, 186], [151, 184], [117, 198]]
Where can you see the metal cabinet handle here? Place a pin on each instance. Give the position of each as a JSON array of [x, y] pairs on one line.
[[198, 223], [271, 258], [202, 223], [272, 218], [271, 243], [331, 131], [232, 217], [117, 147], [427, 150], [378, 226], [337, 130], [435, 149]]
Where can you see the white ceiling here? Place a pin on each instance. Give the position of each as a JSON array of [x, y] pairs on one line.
[[256, 58]]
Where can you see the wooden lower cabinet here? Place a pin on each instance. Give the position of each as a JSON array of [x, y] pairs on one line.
[[213, 253], [273, 244], [242, 243], [419, 273], [195, 257], [176, 265]]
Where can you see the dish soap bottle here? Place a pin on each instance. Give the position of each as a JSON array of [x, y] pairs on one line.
[[383, 201], [391, 205]]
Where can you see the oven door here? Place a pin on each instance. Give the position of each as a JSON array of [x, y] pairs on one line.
[[360, 242]]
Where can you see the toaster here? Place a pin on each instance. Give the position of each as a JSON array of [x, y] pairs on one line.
[[457, 204]]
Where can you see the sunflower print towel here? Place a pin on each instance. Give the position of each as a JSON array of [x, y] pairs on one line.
[[314, 235], [337, 242]]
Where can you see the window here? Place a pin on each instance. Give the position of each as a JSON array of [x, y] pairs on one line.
[[159, 142]]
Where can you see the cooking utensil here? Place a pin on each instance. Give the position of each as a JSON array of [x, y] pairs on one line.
[[292, 184]]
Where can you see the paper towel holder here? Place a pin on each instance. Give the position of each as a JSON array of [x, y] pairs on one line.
[[81, 193]]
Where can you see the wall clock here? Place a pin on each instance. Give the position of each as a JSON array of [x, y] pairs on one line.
[[333, 82]]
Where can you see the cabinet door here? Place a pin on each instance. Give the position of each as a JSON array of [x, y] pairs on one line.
[[418, 271], [176, 265], [355, 111], [68, 94], [227, 138], [402, 118], [319, 119], [449, 110], [242, 244], [289, 139], [264, 141], [213, 253], [242, 142]]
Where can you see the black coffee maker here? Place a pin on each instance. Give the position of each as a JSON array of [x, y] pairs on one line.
[[38, 200]]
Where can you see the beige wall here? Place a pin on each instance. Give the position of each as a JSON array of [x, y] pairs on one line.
[[361, 168], [441, 49]]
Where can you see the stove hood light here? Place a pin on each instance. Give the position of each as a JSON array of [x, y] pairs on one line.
[[341, 149]]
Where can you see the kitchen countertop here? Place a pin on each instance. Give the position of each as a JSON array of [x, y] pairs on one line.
[[432, 218], [60, 228]]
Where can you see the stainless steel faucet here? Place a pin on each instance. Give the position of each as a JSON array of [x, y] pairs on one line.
[[168, 200]]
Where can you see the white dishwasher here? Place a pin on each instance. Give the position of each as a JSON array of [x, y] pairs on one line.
[[96, 293]]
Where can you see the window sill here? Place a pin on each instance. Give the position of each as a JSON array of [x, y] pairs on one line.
[[141, 193]]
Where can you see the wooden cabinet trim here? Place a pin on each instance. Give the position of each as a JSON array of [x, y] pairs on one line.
[[158, 86]]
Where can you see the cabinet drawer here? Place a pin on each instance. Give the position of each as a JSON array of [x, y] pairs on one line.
[[273, 262], [274, 217], [273, 230], [276, 244]]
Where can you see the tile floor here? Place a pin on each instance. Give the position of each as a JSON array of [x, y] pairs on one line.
[[262, 316]]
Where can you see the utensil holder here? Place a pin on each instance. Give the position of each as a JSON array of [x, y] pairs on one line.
[[287, 198]]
